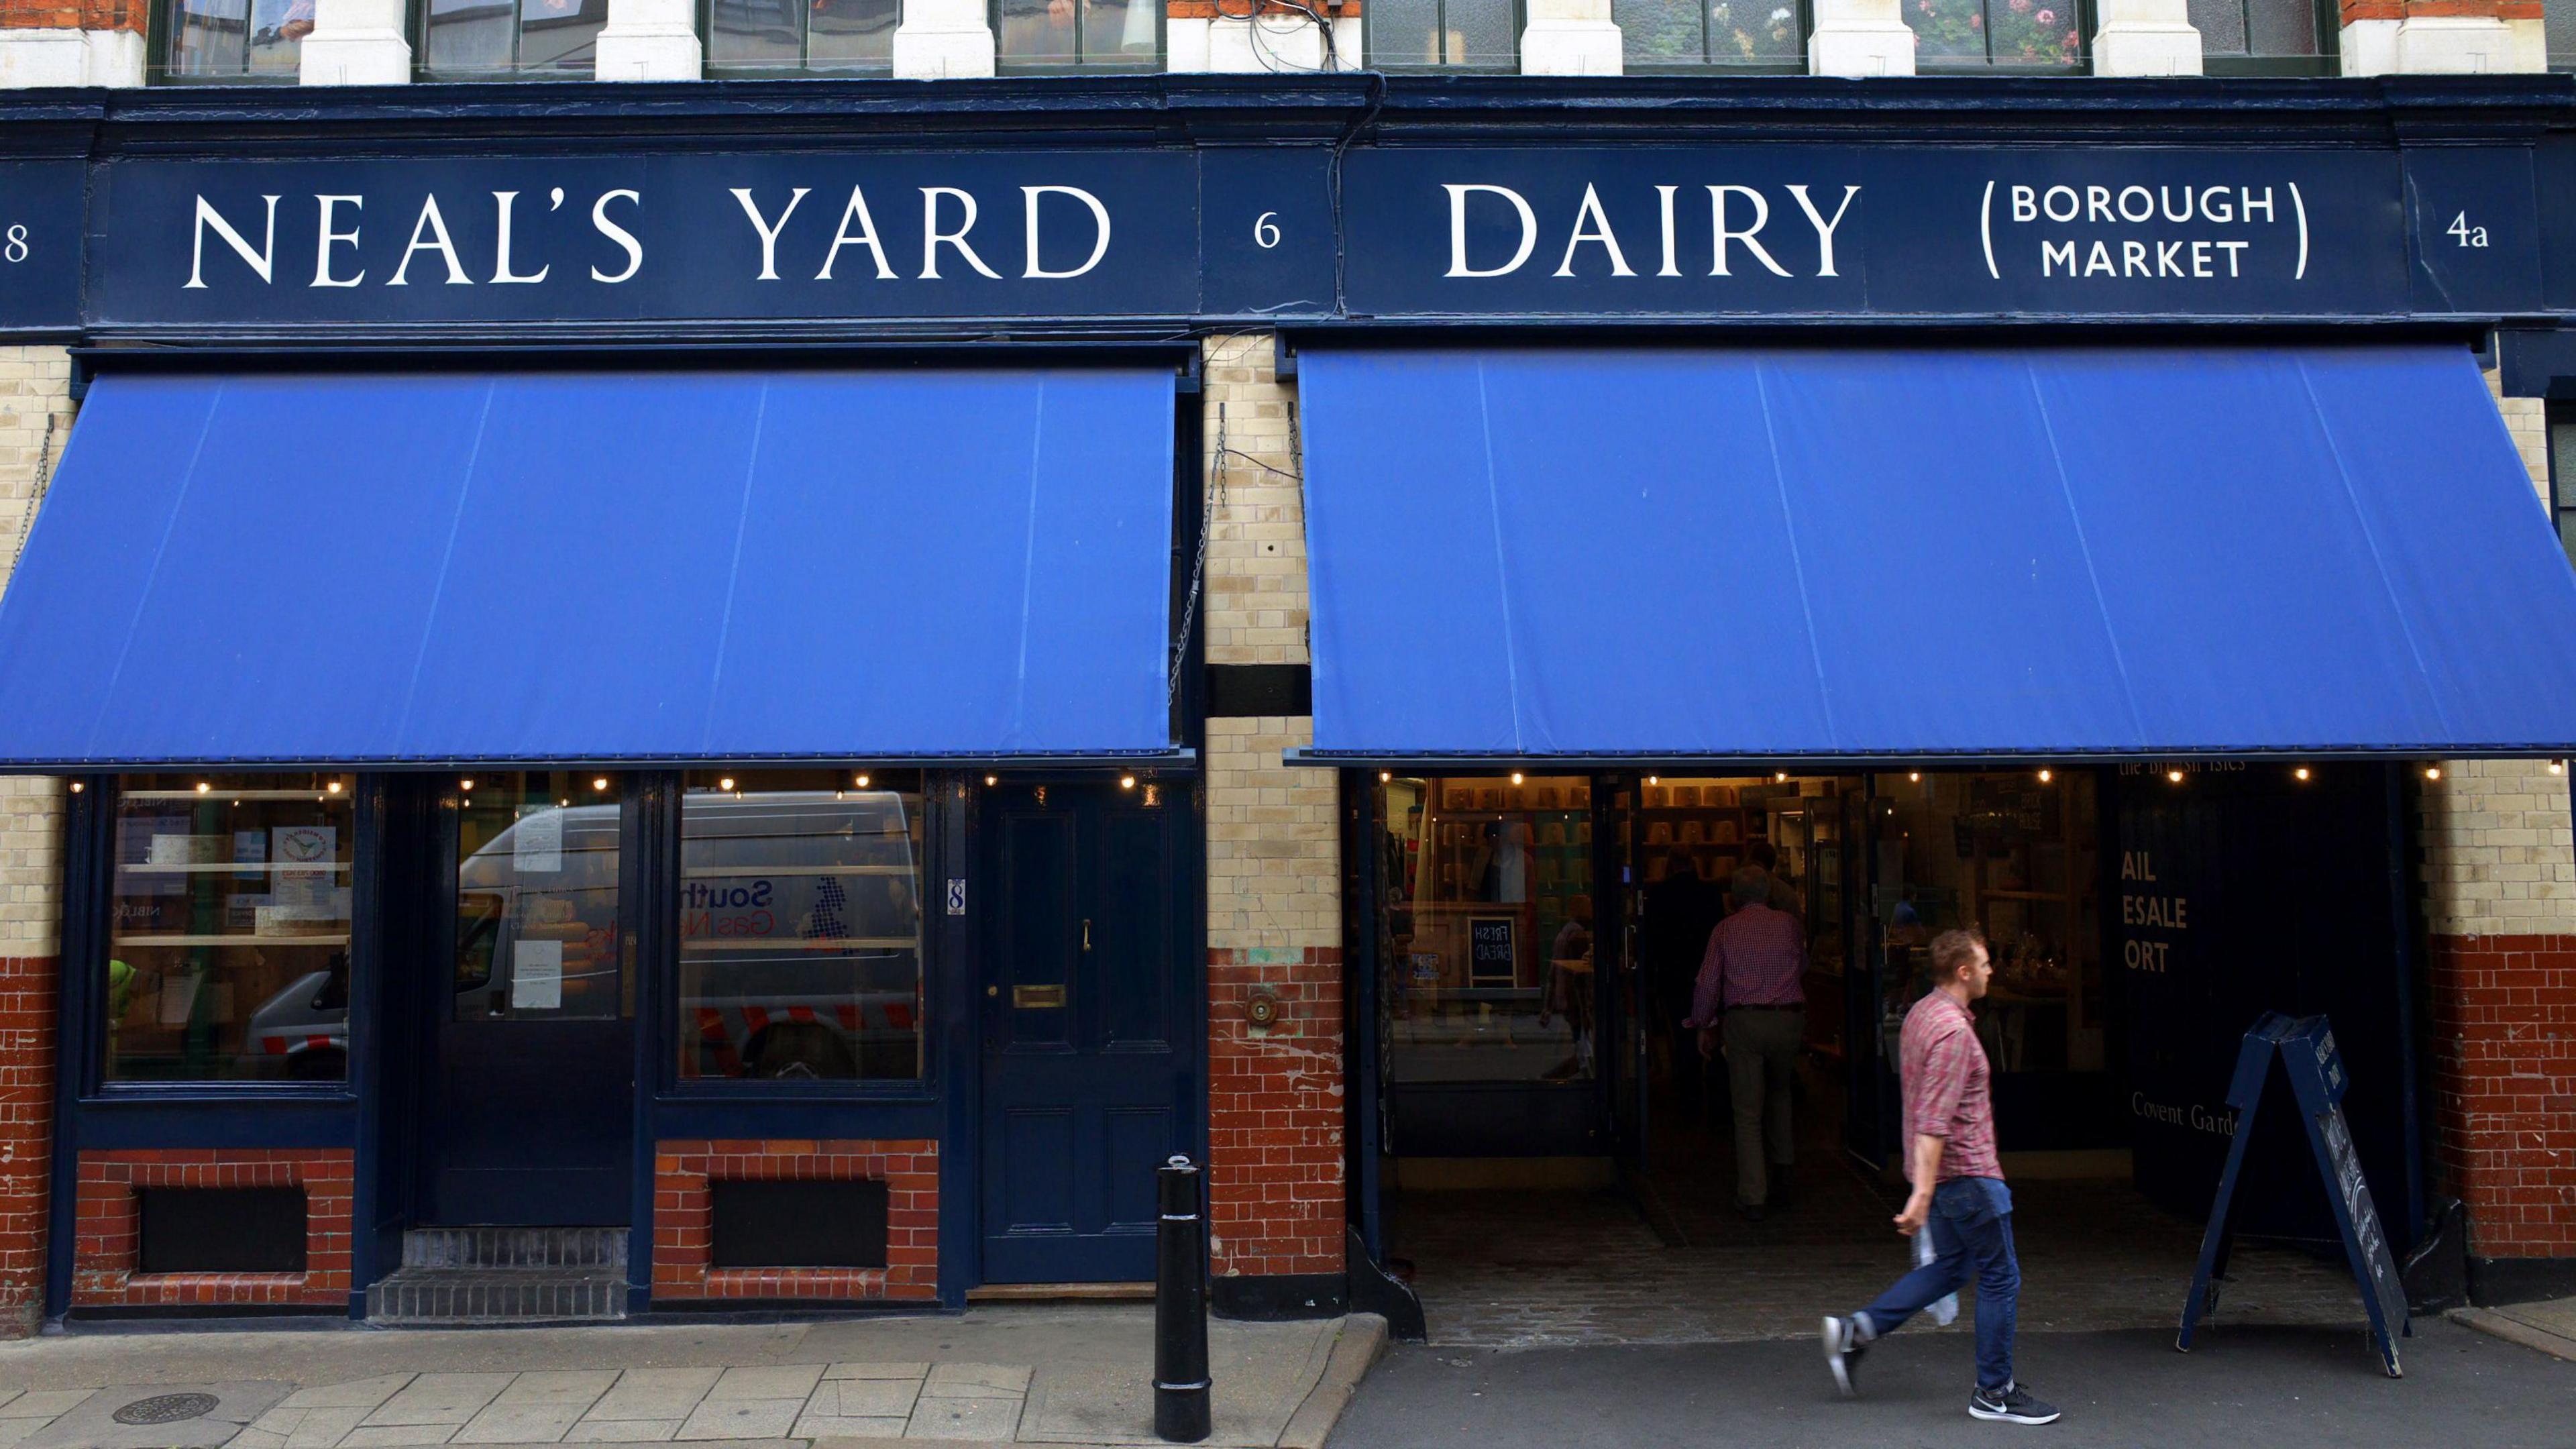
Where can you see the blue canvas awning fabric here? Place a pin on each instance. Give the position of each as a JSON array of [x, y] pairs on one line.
[[1927, 554], [534, 567]]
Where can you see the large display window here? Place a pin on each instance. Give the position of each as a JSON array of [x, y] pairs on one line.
[[229, 928]]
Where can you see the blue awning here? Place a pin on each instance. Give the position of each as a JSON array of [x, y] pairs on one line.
[[537, 567], [1758, 554]]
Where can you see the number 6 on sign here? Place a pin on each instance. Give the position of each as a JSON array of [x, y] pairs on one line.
[[1265, 232]]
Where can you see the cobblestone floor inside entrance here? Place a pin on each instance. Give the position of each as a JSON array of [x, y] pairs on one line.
[[1528, 1268]]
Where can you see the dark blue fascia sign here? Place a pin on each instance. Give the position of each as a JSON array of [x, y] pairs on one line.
[[2305, 1049], [1592, 232]]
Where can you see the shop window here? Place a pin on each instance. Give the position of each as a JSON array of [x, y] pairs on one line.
[[1487, 928], [2240, 37], [228, 931], [537, 857], [2016, 855], [1693, 34], [1443, 34], [2027, 35], [1044, 35], [2562, 474], [800, 926], [479, 39], [789, 35], [230, 40]]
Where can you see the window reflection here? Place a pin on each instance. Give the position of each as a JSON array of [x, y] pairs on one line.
[[1067, 33], [1442, 34], [791, 34], [470, 38], [800, 926], [1662, 33], [235, 39], [228, 935], [536, 898], [2019, 34]]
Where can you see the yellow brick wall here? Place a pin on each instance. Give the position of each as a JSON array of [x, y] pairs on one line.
[[35, 419]]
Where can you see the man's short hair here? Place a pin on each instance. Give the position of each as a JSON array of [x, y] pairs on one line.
[[1752, 886], [1761, 853], [1954, 949]]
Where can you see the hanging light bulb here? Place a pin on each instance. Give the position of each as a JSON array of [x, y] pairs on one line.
[[1914, 775], [2556, 767], [204, 788], [2300, 773], [468, 784], [1781, 777], [333, 787], [600, 784], [2432, 772], [76, 787], [1386, 777], [2174, 775], [863, 782], [992, 780], [725, 784], [1516, 777], [1126, 782]]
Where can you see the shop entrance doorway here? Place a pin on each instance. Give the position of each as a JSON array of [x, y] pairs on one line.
[[528, 1102], [1090, 1024]]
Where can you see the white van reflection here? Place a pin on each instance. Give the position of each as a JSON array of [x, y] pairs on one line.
[[799, 948]]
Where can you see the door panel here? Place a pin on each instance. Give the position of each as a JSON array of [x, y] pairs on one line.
[[1091, 1027], [528, 1113]]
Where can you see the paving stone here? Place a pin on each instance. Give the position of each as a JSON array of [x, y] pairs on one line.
[[44, 1403], [14, 1430], [863, 1398], [814, 1426], [321, 1428], [979, 1419], [621, 1431], [257, 1439], [741, 1419], [771, 1381], [537, 1408], [448, 1399], [656, 1393], [348, 1394], [396, 1436], [876, 1371], [8, 1394], [92, 1423], [977, 1380]]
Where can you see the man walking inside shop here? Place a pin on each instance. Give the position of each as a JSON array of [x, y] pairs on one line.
[[1959, 1195], [1752, 1000]]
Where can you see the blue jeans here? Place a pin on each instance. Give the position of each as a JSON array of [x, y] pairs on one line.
[[1971, 1227]]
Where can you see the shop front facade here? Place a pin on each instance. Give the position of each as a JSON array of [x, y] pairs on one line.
[[788, 685]]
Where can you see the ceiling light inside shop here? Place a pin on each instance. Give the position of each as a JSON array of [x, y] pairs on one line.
[[990, 780], [76, 787], [600, 784], [1654, 779], [2174, 775], [1126, 782], [2300, 773], [1915, 775], [203, 787], [1386, 777], [725, 784], [467, 784], [333, 787], [1516, 777], [1782, 777], [2044, 777], [863, 782]]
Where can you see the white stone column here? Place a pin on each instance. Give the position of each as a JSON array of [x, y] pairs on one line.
[[1281, 41], [943, 40], [2146, 37], [650, 40], [1860, 38], [356, 43], [1571, 37], [51, 57], [2390, 42]]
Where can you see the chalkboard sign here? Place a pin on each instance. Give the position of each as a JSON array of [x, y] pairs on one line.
[[1490, 951], [2305, 1048]]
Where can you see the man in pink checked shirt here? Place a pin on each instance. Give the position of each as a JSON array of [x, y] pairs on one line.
[[1752, 1000]]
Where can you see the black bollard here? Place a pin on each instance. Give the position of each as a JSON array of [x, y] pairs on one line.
[[1180, 1310]]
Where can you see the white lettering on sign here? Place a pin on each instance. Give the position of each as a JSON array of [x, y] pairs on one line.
[[1740, 230], [2199, 232], [2155, 912]]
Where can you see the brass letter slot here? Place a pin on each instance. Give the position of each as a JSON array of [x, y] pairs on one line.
[[1038, 998]]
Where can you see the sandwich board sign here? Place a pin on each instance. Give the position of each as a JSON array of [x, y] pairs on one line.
[[2305, 1048]]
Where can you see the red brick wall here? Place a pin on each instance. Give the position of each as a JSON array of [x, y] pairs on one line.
[[108, 1234], [2353, 10], [1275, 1114], [684, 1217], [2504, 1082], [27, 996], [73, 15]]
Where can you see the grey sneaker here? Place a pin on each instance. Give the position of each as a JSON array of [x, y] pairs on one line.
[[2011, 1405], [1843, 1348]]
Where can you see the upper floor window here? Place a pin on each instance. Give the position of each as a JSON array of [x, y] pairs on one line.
[[853, 35], [466, 39], [2558, 29], [2032, 35], [1665, 34], [1078, 34], [2264, 36], [232, 40], [1443, 34]]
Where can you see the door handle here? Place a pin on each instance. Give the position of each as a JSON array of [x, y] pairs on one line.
[[1086, 933]]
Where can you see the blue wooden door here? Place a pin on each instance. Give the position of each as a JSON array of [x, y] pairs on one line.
[[1091, 1024], [528, 1112]]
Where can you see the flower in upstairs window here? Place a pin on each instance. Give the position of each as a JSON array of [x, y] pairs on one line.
[[2072, 40], [1976, 22], [2045, 17]]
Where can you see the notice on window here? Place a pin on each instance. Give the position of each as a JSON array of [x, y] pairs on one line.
[[536, 976], [537, 843]]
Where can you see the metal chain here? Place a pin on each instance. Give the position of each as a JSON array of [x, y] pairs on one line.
[[1210, 501], [36, 497]]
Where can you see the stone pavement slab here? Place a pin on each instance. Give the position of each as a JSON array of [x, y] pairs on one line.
[[448, 1399], [160, 1416]]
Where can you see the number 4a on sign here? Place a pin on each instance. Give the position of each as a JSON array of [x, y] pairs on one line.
[[2468, 236]]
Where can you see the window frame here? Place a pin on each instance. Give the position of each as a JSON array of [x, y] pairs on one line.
[[89, 895], [160, 33], [804, 66], [416, 21], [1806, 22], [2326, 62], [2087, 22], [1156, 64], [660, 929], [1369, 59]]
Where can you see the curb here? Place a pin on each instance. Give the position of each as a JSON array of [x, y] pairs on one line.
[[2514, 1330], [1355, 1350]]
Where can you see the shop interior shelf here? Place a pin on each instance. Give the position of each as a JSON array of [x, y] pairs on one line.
[[230, 796], [242, 939], [229, 867]]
